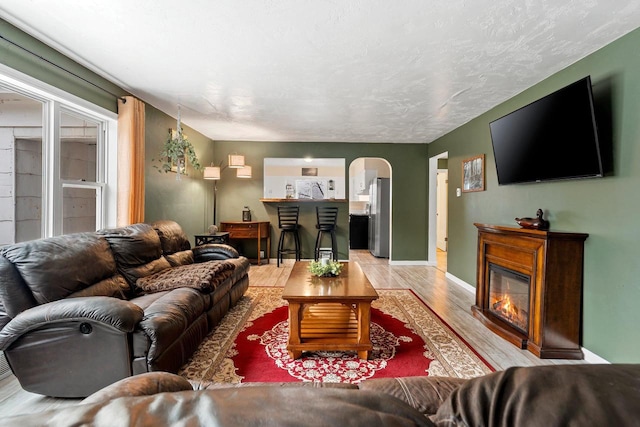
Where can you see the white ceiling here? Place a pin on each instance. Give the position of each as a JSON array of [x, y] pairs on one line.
[[313, 70]]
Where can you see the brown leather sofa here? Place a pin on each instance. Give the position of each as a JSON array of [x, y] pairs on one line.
[[546, 396], [81, 311]]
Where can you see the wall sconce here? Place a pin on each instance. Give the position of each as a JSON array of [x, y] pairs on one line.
[[235, 161]]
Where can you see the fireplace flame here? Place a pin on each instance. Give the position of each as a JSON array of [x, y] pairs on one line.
[[510, 311]]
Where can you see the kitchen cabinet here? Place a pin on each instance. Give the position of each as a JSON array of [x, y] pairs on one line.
[[358, 231], [361, 180]]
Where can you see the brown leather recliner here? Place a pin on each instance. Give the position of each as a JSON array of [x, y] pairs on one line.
[[73, 317]]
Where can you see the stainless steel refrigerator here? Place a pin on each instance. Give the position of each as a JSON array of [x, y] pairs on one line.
[[379, 217]]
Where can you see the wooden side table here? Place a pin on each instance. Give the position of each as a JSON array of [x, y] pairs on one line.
[[256, 230], [218, 237]]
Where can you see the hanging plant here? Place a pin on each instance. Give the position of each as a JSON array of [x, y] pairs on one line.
[[176, 152]]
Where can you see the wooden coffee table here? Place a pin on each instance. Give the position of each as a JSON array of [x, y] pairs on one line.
[[329, 313]]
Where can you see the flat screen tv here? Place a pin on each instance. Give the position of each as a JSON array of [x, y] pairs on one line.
[[552, 138]]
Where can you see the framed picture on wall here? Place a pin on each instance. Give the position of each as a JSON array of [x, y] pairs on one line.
[[311, 189], [473, 174], [309, 172]]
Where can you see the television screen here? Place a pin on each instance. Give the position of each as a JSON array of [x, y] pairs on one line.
[[552, 138]]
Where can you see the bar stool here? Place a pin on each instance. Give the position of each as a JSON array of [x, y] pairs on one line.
[[288, 223], [327, 219]]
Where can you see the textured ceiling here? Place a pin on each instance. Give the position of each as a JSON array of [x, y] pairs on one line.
[[312, 70]]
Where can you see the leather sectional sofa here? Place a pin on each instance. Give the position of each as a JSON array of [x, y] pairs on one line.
[[81, 311], [546, 396]]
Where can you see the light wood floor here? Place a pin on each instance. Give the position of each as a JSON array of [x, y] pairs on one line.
[[450, 301]]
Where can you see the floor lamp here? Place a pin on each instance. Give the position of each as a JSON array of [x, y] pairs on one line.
[[235, 161]]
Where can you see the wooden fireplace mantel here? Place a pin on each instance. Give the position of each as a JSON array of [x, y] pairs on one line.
[[554, 262]]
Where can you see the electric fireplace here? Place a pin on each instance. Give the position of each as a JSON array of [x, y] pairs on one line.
[[529, 288]]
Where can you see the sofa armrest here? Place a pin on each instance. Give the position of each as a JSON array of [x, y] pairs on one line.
[[116, 313], [213, 252], [554, 395], [145, 384]]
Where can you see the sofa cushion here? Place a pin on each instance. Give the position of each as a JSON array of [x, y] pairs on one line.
[[180, 258], [132, 274], [172, 237], [167, 315], [137, 251], [425, 394], [204, 276], [14, 292], [55, 267], [115, 287]]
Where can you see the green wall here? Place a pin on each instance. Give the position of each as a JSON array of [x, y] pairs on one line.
[[29, 64], [409, 166], [187, 200], [190, 201], [605, 208]]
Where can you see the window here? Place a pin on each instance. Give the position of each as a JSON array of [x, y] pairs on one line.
[[21, 129], [58, 171]]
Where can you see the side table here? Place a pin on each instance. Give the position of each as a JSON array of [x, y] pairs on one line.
[[252, 230], [218, 237]]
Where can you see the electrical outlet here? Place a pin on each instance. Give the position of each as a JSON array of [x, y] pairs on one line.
[[261, 254]]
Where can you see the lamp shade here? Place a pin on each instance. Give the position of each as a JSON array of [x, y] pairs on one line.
[[244, 172], [212, 172], [236, 161]]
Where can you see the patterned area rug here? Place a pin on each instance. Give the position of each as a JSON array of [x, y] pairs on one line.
[[249, 345]]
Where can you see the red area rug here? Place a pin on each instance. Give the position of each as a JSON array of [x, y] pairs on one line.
[[408, 338]]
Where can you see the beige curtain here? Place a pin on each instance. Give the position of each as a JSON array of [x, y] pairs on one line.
[[130, 161]]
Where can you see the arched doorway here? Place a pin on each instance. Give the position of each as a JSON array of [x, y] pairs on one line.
[[369, 175]]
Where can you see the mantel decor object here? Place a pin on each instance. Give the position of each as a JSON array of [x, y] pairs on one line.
[[537, 223], [325, 268]]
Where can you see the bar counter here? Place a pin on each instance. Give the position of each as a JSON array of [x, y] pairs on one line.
[[307, 223], [303, 200]]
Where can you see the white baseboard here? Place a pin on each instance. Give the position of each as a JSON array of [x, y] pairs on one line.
[[464, 285], [591, 357], [416, 262]]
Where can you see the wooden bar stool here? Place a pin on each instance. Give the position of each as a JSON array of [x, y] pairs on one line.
[[288, 224], [327, 219]]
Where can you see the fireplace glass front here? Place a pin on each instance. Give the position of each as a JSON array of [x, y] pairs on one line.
[[509, 296]]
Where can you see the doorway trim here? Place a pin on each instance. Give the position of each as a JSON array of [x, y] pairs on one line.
[[433, 201]]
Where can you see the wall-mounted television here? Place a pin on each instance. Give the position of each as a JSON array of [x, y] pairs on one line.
[[552, 138]]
